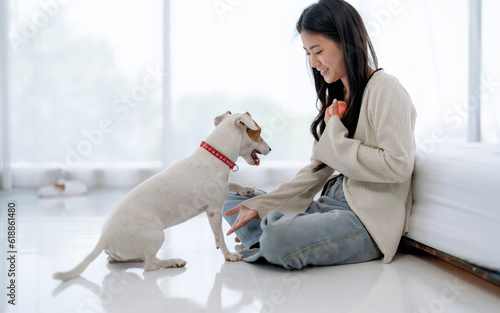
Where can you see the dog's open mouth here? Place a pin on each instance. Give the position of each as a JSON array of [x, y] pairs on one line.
[[255, 157]]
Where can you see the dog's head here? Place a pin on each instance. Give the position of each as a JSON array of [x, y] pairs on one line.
[[251, 144]]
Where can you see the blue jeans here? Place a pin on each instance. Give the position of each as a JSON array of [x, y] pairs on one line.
[[328, 233]]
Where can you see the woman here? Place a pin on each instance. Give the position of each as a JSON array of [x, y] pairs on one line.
[[364, 211]]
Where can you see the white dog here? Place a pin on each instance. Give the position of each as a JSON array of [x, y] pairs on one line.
[[134, 229]]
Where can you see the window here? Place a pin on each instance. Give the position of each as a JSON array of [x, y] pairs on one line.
[[133, 85], [85, 82], [490, 81], [425, 45], [240, 56]]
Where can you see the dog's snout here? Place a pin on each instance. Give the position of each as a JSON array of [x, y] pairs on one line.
[[270, 149]]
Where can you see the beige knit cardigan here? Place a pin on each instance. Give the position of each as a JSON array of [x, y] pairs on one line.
[[377, 164]]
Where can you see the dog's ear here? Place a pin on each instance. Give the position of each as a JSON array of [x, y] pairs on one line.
[[220, 118], [246, 121]]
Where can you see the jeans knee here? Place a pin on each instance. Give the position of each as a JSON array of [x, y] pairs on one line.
[[272, 223], [293, 242], [277, 239]]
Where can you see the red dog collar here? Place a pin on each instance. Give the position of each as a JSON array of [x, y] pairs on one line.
[[219, 156]]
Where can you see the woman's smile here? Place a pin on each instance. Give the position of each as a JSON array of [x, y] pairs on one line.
[[325, 55], [322, 72]]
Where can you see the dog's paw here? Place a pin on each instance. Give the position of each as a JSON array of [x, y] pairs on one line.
[[233, 257], [246, 191], [178, 263]]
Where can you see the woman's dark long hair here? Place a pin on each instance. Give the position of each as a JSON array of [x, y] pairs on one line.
[[340, 22]]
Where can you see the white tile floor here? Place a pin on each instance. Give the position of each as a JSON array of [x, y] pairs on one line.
[[55, 234]]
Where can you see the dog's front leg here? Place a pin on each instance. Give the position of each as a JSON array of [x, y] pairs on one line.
[[215, 218], [242, 190]]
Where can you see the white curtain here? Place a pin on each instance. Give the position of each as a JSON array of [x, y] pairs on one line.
[[85, 91], [112, 91], [425, 45], [490, 78], [5, 181]]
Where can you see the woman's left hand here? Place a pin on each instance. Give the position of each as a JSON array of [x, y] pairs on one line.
[[245, 215], [333, 109]]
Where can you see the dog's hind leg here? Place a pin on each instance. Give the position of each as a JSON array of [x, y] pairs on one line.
[[112, 260], [152, 263], [151, 243]]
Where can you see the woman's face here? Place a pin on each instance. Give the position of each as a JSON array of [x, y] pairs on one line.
[[325, 55]]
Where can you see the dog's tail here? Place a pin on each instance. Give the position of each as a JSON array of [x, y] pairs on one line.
[[101, 245]]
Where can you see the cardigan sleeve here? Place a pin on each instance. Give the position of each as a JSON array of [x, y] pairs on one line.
[[294, 196], [387, 159]]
